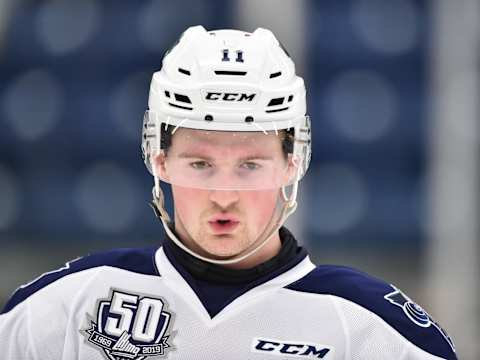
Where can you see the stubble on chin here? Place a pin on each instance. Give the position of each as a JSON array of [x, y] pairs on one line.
[[222, 246]]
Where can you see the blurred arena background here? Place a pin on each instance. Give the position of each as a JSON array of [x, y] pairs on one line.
[[393, 91]]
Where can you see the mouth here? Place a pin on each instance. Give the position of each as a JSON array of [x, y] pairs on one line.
[[221, 225]]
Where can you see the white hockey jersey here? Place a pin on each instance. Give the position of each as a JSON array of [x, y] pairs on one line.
[[142, 304]]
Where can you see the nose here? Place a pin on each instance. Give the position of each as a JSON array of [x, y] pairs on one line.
[[224, 198]]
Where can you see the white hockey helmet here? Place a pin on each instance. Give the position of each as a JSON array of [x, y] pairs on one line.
[[227, 81]]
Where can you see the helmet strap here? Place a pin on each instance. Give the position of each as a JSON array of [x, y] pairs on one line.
[[289, 205]]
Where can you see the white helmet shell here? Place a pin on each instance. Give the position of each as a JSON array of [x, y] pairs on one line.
[[228, 75]]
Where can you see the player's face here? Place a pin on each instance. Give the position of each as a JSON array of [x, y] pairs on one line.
[[223, 223]]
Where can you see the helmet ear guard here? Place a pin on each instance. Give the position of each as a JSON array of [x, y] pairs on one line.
[[227, 80]]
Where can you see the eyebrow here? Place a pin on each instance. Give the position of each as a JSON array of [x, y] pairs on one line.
[[257, 157], [187, 155]]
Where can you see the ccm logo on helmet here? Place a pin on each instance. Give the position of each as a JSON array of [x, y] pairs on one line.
[[229, 96], [279, 347]]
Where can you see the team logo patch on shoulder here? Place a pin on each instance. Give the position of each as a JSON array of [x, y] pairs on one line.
[[130, 326], [415, 313]]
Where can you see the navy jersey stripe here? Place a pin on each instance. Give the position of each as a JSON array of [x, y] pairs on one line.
[[140, 261], [370, 293]]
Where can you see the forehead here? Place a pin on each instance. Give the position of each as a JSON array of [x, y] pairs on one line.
[[192, 139]]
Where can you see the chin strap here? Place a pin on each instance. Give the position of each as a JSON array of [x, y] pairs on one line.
[[288, 207]]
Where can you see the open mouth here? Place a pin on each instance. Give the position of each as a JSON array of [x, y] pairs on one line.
[[223, 226]]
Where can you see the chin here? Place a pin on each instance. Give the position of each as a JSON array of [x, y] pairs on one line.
[[222, 252], [222, 246]]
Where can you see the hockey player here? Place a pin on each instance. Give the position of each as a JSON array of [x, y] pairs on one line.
[[226, 129]]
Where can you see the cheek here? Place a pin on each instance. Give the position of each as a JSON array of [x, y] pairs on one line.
[[261, 205], [187, 202]]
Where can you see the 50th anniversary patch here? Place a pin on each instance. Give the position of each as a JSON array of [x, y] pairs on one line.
[[130, 326]]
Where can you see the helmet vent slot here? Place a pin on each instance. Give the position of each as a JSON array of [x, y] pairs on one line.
[[183, 71], [180, 107], [235, 73], [276, 101], [276, 110], [182, 98], [275, 74]]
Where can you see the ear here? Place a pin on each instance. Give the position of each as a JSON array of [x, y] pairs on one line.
[[291, 170], [159, 161]]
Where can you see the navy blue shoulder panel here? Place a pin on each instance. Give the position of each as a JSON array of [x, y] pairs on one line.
[[140, 261], [383, 299]]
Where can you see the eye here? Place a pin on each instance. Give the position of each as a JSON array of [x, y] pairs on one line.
[[250, 165], [200, 165]]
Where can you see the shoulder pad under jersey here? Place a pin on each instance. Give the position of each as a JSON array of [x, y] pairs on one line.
[[382, 299], [135, 260]]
